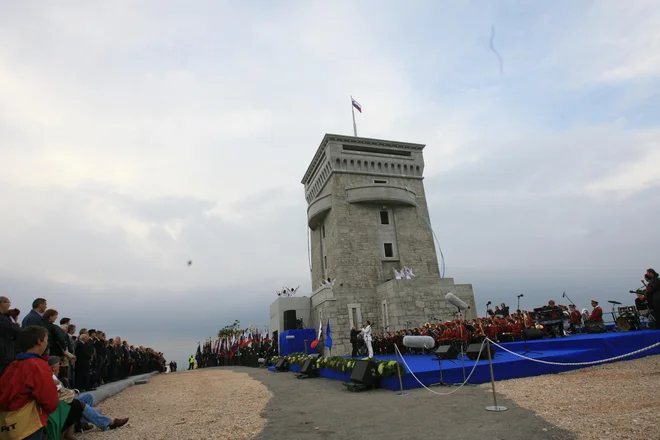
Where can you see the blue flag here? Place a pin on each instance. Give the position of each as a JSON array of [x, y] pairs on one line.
[[328, 336]]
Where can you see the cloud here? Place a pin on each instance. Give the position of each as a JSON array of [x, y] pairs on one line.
[[136, 139]]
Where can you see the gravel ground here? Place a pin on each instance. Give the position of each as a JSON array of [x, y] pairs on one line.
[[322, 409], [613, 401], [201, 404]]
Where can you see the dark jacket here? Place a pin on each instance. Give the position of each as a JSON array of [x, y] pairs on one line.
[[33, 318], [57, 339], [8, 334]]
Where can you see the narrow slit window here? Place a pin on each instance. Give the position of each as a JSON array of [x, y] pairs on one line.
[[389, 250], [384, 218]]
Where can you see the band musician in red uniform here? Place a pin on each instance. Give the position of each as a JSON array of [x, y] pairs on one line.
[[596, 313], [576, 318]]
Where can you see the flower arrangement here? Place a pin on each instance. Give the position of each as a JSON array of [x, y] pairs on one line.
[[341, 364]]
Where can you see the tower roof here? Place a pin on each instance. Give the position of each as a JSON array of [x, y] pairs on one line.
[[377, 144]]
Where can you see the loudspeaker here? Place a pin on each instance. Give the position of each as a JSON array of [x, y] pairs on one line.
[[365, 372], [309, 367], [531, 334], [281, 365], [290, 320], [446, 352], [472, 352]]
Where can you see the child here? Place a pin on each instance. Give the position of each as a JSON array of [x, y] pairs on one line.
[[27, 391]]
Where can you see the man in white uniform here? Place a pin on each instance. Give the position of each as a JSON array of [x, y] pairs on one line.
[[366, 334]]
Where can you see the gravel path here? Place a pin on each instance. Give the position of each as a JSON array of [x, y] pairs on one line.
[[613, 401], [322, 409], [201, 404]]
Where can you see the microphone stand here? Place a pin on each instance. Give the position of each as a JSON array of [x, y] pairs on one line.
[[563, 295], [460, 316]]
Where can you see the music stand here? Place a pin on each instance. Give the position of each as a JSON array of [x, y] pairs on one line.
[[527, 350], [442, 357]]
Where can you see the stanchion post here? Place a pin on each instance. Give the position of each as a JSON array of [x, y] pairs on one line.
[[496, 407], [398, 371]]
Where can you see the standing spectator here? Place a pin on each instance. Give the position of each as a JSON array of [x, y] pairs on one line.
[[84, 353], [28, 383], [35, 317], [8, 333]]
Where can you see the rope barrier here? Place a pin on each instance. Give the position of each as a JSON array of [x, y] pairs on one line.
[[435, 392], [568, 364]]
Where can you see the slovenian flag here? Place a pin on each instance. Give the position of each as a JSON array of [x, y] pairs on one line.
[[357, 105]]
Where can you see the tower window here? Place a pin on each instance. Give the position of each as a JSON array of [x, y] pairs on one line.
[[384, 218], [389, 250], [380, 181], [323, 231], [325, 261]]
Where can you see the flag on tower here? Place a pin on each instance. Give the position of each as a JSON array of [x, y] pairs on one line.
[[356, 104]]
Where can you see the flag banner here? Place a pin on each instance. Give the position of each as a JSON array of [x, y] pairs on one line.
[[328, 335], [357, 105]]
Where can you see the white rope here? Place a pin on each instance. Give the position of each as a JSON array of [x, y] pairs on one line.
[[615, 358], [435, 392]]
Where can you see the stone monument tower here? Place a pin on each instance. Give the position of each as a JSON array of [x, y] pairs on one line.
[[367, 215]]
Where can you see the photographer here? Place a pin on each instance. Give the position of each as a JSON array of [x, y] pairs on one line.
[[653, 294], [9, 330]]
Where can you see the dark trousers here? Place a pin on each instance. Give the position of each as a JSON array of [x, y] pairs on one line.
[[75, 414], [354, 344], [82, 376]]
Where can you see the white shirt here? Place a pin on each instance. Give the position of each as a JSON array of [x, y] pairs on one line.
[[366, 332]]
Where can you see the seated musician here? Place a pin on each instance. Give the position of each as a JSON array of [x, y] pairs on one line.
[[447, 334], [596, 313], [460, 331], [576, 318]]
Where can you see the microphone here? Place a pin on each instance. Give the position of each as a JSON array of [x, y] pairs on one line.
[[488, 303], [456, 301], [563, 295], [419, 342], [521, 295]]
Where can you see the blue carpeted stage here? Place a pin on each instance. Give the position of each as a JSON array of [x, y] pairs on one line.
[[579, 348]]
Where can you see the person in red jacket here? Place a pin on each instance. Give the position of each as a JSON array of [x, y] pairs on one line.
[[596, 313], [29, 378]]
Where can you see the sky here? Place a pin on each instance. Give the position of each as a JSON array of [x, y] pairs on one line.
[[136, 136]]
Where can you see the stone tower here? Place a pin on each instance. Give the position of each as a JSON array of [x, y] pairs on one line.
[[367, 215]]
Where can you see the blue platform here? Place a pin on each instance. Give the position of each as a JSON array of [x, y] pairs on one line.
[[578, 348], [296, 340]]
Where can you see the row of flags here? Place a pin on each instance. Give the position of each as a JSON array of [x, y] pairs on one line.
[[247, 338], [238, 340], [328, 335]]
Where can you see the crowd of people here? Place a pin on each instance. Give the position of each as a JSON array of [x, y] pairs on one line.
[[47, 364], [243, 348]]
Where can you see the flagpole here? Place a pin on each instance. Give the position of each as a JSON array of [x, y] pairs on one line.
[[353, 112]]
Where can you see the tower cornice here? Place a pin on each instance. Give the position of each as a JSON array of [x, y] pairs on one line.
[[352, 140]]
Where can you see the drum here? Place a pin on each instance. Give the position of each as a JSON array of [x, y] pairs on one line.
[[623, 324], [627, 323]]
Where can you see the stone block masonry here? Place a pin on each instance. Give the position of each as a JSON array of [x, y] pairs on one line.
[[367, 215]]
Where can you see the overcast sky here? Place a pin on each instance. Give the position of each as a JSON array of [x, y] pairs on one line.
[[135, 136]]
